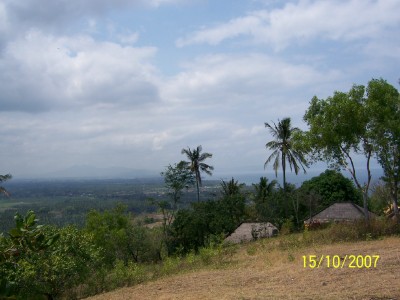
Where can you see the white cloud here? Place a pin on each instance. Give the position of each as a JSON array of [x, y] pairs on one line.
[[214, 36], [40, 72], [222, 79], [303, 21], [103, 101], [127, 39]]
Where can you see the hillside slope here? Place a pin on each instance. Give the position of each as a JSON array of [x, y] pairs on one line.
[[257, 272]]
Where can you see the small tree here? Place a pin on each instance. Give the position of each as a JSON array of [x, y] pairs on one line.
[[232, 203], [332, 187], [177, 178], [231, 188], [263, 198], [42, 261], [114, 231]]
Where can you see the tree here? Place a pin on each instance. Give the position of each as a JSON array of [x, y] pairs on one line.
[[381, 198], [43, 261], [383, 107], [231, 187], [263, 197], [2, 179], [263, 189], [286, 148], [233, 200], [118, 237], [177, 178], [339, 130], [212, 219], [332, 187], [196, 165]]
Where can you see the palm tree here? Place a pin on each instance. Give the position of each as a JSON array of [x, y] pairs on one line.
[[231, 188], [2, 179], [196, 165], [263, 189], [265, 204], [285, 150]]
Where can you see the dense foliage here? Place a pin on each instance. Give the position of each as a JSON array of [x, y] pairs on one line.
[[331, 187], [194, 228], [43, 260]]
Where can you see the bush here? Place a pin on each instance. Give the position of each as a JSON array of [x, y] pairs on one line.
[[44, 261], [287, 226], [126, 275]]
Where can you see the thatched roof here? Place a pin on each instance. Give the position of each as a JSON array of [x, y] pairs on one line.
[[339, 212], [251, 231]]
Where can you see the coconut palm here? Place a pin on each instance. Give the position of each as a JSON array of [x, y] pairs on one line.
[[196, 164], [263, 189], [285, 150], [231, 188], [2, 179]]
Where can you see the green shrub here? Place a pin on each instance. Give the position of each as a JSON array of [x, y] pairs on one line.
[[287, 227], [125, 275], [39, 261], [171, 265]]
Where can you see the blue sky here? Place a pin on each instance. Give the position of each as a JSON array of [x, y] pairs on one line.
[[129, 83]]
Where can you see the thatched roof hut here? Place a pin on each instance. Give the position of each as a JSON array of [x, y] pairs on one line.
[[339, 212], [252, 231]]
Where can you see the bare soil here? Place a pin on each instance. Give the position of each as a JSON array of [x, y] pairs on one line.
[[257, 272]]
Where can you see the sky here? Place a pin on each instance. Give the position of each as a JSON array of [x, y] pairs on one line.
[[130, 83]]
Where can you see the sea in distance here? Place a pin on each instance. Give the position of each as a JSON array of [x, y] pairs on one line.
[[249, 178]]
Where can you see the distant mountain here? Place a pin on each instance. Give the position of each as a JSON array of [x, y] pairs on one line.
[[86, 171]]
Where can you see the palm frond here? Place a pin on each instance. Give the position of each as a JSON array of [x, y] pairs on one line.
[[285, 150], [274, 154], [272, 129], [204, 156]]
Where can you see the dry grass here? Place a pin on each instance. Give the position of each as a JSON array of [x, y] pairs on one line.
[[262, 270]]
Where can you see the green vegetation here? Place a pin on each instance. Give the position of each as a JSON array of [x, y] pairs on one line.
[[61, 203], [44, 261], [363, 121], [196, 165], [95, 239], [331, 187], [286, 148]]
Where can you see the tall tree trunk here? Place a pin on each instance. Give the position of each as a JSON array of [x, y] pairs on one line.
[[363, 189], [365, 203], [198, 190], [284, 171]]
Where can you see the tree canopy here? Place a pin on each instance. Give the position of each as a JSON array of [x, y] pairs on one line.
[[362, 121], [285, 148], [196, 164]]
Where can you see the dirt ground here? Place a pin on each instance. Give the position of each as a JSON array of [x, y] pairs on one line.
[[263, 274]]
